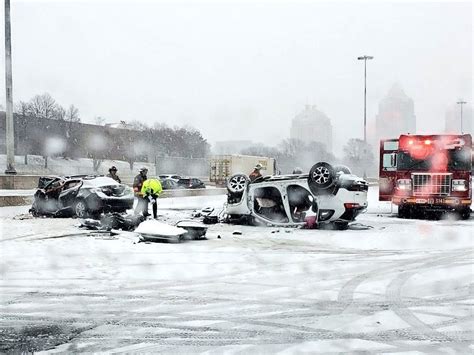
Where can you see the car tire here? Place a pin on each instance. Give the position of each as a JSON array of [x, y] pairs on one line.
[[341, 226], [321, 177], [237, 183], [80, 209]]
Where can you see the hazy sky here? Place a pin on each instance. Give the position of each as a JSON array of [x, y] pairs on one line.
[[241, 70]]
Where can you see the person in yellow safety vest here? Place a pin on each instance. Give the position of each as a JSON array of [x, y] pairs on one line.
[[151, 189]]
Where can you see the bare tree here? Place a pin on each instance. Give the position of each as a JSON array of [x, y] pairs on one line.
[[43, 106], [59, 113], [99, 121], [72, 114], [358, 155], [137, 125], [23, 108], [72, 130]]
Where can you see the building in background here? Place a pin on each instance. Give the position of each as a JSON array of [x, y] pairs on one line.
[[231, 147], [312, 125], [453, 119], [396, 115]]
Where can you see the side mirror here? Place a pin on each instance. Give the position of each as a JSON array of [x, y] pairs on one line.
[[393, 160]]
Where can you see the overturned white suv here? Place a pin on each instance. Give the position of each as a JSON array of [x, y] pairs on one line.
[[326, 197]]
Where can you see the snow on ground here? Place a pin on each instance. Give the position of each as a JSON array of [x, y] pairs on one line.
[[387, 285]]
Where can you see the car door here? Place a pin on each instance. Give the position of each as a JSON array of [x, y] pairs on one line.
[[268, 205], [69, 192], [387, 168]]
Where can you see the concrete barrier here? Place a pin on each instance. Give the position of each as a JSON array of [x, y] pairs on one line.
[[21, 199], [18, 182]]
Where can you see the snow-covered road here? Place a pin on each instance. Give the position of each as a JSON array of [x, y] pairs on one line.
[[385, 286]]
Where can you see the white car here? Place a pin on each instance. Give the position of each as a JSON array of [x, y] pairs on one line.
[[325, 196], [169, 176]]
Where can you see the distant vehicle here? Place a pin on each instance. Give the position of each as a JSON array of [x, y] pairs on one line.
[[222, 167], [427, 173], [191, 183], [169, 176], [327, 195], [82, 196], [169, 184]]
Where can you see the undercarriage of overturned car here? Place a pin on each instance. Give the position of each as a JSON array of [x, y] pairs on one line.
[[328, 196]]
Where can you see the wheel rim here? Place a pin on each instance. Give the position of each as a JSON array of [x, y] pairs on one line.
[[321, 175], [80, 209], [237, 183]]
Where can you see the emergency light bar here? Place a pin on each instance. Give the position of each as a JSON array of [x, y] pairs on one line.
[[439, 142]]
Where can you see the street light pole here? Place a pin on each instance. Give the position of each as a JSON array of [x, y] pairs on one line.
[[365, 58], [461, 102], [10, 137]]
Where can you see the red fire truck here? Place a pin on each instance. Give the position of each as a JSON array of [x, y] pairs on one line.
[[422, 173]]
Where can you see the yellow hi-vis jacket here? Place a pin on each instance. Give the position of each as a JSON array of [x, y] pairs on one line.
[[151, 187]]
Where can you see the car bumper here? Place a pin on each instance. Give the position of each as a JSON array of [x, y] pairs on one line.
[[437, 202]]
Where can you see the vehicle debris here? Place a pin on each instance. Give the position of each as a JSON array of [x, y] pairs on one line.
[[109, 221], [154, 230]]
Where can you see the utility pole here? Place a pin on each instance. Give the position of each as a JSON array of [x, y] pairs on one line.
[[365, 58], [10, 136], [461, 102]]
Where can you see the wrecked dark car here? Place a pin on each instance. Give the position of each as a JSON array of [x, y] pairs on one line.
[[326, 196], [81, 196]]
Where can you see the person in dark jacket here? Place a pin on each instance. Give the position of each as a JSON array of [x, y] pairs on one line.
[[255, 174], [113, 174], [142, 202]]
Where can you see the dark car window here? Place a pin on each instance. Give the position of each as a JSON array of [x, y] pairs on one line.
[[184, 181], [71, 184], [54, 184], [300, 201], [176, 177], [44, 181], [169, 184]]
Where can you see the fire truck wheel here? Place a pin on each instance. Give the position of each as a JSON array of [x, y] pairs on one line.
[[321, 176], [237, 183], [465, 213], [404, 211]]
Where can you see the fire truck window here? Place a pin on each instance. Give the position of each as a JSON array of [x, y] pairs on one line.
[[389, 162], [390, 145], [269, 204], [460, 159]]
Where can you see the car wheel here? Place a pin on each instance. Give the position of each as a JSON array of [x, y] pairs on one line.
[[80, 209], [237, 183], [341, 226], [321, 176]]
